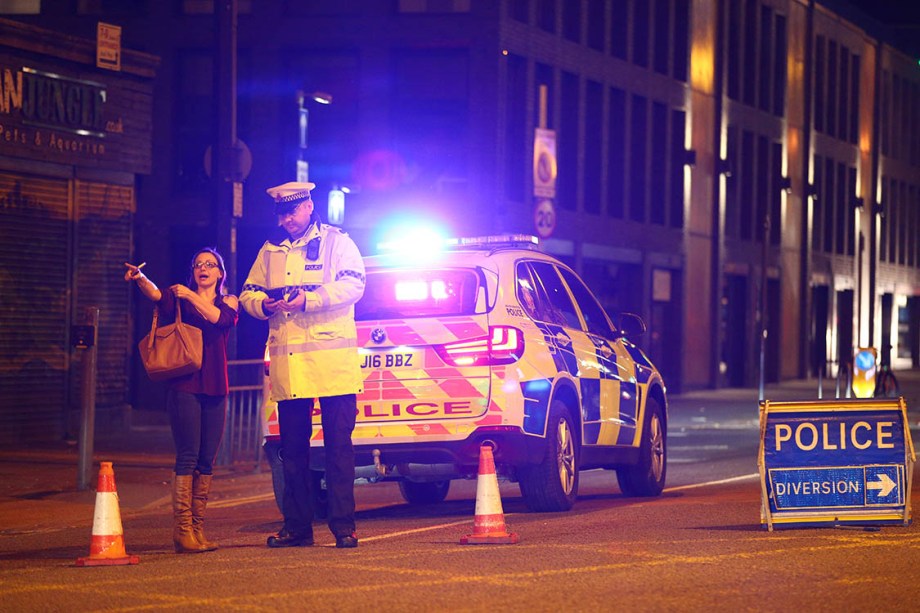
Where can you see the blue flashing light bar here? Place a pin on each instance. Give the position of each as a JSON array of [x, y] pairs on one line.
[[498, 239]]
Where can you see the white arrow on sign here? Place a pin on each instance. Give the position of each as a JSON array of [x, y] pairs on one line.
[[884, 483]]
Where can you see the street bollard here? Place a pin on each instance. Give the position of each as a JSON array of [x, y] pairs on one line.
[[84, 338]]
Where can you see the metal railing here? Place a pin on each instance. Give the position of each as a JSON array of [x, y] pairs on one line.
[[242, 441]]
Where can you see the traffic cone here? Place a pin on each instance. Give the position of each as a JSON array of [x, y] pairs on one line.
[[489, 524], [107, 545]]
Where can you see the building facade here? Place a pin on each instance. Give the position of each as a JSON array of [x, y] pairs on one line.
[[744, 174], [73, 138]]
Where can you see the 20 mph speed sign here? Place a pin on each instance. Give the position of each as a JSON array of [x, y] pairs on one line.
[[544, 218]]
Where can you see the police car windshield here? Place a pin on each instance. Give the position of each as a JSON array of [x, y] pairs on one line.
[[403, 294]]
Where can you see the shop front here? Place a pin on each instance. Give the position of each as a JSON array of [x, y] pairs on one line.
[[74, 137]]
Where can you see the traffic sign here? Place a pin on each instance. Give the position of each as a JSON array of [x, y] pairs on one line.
[[835, 462], [544, 217]]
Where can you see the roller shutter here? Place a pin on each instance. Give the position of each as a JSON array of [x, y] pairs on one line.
[[103, 245], [35, 267]]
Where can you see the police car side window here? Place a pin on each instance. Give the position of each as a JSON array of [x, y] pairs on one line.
[[526, 290], [594, 315], [563, 310]]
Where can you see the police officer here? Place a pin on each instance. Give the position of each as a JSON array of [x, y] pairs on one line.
[[305, 282]]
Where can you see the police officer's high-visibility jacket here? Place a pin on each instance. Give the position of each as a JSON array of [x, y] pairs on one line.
[[313, 352]]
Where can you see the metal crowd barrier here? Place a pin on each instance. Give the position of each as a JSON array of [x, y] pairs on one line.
[[242, 442]]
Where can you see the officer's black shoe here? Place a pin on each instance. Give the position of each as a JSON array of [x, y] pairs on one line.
[[290, 539], [349, 541]]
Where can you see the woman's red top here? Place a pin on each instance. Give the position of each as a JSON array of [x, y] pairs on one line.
[[212, 379]]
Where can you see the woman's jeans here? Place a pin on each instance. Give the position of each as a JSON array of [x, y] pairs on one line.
[[197, 422]]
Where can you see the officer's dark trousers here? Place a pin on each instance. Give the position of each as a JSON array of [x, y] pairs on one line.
[[295, 422]]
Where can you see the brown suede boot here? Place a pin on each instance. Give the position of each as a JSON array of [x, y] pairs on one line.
[[183, 536], [201, 487]]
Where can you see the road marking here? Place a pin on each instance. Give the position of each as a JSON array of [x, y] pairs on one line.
[[380, 537], [235, 502], [719, 482]]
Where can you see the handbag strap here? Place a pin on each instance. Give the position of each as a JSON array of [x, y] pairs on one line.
[[156, 317]]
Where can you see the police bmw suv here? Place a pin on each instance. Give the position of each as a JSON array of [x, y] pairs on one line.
[[491, 341]]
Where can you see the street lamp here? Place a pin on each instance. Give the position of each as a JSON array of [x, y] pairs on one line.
[[303, 126]]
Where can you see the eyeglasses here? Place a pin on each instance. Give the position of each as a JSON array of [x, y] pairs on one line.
[[208, 265], [296, 209]]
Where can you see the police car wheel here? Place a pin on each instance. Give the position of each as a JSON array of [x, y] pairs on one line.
[[646, 478], [428, 492], [552, 485]]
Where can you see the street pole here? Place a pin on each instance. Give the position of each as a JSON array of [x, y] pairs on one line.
[[763, 302], [88, 398], [228, 193]]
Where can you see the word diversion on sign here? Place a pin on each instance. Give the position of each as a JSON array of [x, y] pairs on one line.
[[835, 462]]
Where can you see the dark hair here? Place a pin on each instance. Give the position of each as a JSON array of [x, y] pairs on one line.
[[193, 284]]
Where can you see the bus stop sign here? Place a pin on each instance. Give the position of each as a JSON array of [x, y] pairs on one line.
[[838, 462]]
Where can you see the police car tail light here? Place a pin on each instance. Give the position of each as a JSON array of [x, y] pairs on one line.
[[419, 290], [503, 345]]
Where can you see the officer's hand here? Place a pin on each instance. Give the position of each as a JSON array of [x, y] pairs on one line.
[[293, 303], [270, 305]]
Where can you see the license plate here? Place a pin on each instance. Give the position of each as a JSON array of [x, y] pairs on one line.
[[389, 360]]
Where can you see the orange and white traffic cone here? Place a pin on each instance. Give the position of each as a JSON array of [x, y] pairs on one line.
[[489, 524], [107, 545]]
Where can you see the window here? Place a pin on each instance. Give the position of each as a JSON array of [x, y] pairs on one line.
[[820, 68], [546, 15], [564, 312], [571, 21], [616, 152], [515, 128], [594, 159], [640, 35], [779, 68], [746, 200], [418, 293], [638, 176], [662, 35], [531, 297], [734, 50], [567, 192], [676, 194], [682, 38], [765, 100], [749, 73], [595, 318], [520, 10], [658, 204], [596, 24], [619, 28], [732, 204]]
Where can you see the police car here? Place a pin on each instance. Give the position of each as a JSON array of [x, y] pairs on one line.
[[492, 342]]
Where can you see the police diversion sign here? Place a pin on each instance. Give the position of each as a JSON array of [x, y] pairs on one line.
[[835, 462]]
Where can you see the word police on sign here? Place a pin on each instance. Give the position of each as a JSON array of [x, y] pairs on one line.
[[835, 462]]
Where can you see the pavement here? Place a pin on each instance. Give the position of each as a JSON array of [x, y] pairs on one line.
[[38, 483]]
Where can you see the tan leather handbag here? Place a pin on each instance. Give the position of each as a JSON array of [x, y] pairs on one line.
[[171, 351]]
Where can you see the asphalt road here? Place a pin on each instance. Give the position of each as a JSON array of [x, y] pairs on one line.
[[699, 546]]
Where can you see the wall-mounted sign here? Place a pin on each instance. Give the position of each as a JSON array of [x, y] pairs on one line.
[[544, 163], [544, 218], [54, 113], [108, 46], [835, 463]]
